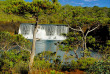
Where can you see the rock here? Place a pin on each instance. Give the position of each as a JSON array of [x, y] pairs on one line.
[[37, 39]]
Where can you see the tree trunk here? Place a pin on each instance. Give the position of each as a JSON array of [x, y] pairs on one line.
[[33, 48], [84, 45], [76, 54]]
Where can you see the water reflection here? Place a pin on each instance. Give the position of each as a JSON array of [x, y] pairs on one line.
[[49, 45]]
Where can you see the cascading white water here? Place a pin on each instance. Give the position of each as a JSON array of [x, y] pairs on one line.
[[45, 32], [26, 30]]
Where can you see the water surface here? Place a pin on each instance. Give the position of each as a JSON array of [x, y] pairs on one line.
[[49, 45]]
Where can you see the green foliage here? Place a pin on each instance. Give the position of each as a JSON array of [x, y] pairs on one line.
[[55, 13], [13, 59], [101, 67], [83, 63], [41, 64], [74, 64], [52, 71], [9, 41], [55, 72], [21, 67], [91, 39], [73, 39], [108, 42], [104, 48], [17, 7], [21, 7], [78, 11], [50, 12]]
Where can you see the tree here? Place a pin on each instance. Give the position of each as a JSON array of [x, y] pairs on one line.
[[33, 46], [36, 11], [54, 1], [36, 8], [9, 41], [71, 43], [81, 24], [90, 24]]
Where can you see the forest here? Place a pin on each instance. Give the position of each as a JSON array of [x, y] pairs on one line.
[[89, 28]]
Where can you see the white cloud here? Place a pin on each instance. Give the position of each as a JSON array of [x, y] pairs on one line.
[[89, 0], [96, 4], [80, 3], [77, 3]]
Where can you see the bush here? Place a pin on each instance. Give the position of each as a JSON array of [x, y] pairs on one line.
[[83, 63], [74, 64], [101, 67], [41, 64], [21, 67], [55, 72], [9, 41], [14, 60]]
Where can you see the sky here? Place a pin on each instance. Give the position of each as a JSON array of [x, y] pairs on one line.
[[84, 3]]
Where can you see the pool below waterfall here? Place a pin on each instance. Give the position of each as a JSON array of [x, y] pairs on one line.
[[49, 45]]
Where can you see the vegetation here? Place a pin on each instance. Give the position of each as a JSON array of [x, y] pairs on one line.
[[5, 17], [87, 27], [51, 12], [83, 63], [9, 41], [100, 67], [14, 61]]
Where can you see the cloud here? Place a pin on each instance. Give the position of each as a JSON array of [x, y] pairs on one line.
[[89, 0], [96, 4], [77, 3], [80, 3]]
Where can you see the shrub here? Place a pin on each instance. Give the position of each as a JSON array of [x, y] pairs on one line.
[[9, 41], [41, 64], [101, 67], [52, 71], [74, 64], [21, 67], [55, 72], [82, 63], [14, 60]]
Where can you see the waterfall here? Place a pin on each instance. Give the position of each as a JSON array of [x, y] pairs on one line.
[[44, 32], [26, 30]]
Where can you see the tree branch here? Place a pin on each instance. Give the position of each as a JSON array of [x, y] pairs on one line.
[[73, 28], [11, 47], [4, 47], [92, 30], [24, 48]]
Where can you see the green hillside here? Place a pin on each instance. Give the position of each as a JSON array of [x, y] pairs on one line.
[[9, 17]]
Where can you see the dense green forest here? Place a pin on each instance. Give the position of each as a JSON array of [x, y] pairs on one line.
[[89, 28]]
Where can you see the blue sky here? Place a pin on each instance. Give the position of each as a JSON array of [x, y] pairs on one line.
[[88, 3]]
